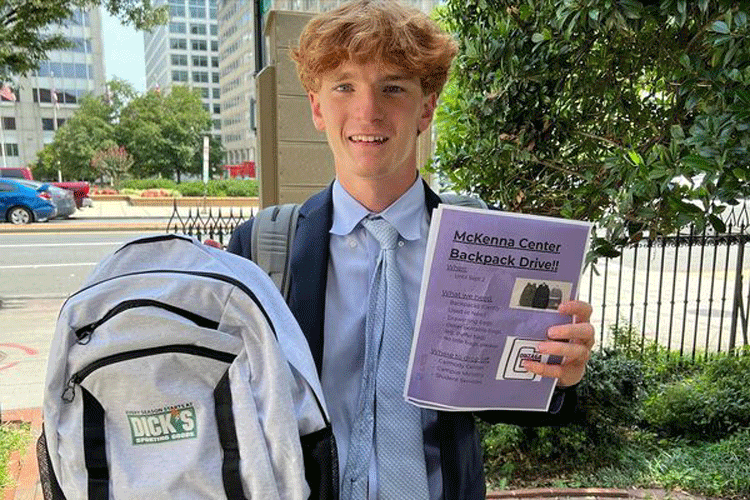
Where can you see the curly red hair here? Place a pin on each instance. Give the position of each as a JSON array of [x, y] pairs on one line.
[[363, 31]]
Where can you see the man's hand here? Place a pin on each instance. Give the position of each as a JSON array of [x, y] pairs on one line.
[[576, 351]]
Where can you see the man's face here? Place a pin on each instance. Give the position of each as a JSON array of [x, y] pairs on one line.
[[371, 114]]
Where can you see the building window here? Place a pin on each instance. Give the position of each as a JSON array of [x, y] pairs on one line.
[[215, 77], [217, 124], [177, 43], [9, 123], [176, 11], [179, 60], [200, 76], [11, 149], [206, 107], [200, 61], [217, 109], [48, 124], [198, 29], [179, 76], [214, 29], [175, 27], [216, 93], [198, 12], [42, 95], [204, 92], [214, 45], [214, 62], [199, 45]]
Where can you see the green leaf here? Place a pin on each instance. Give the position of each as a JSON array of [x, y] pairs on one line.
[[717, 224], [720, 27], [537, 38], [740, 173], [677, 132], [635, 157], [685, 61]]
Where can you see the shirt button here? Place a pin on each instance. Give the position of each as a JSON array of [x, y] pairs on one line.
[[352, 243], [401, 243]]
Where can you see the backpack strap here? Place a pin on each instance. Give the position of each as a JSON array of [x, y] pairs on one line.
[[462, 200], [272, 239], [273, 233]]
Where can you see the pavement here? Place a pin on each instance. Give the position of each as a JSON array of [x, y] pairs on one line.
[[23, 361]]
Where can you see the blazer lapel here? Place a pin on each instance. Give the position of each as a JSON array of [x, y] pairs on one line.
[[309, 269]]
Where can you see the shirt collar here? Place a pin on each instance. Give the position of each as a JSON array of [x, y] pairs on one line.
[[405, 214]]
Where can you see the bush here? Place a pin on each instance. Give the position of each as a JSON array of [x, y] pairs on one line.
[[708, 406], [152, 183], [226, 187], [718, 469]]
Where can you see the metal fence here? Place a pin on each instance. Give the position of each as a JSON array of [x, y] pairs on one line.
[[689, 292]]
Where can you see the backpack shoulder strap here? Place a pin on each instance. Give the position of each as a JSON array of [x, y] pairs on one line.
[[272, 238], [462, 200]]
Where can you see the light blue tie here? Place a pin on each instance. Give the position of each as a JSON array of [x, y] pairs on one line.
[[397, 434]]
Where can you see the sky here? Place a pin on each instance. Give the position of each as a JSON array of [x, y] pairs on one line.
[[123, 52]]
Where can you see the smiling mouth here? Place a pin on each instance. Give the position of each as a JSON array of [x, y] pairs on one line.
[[368, 139]]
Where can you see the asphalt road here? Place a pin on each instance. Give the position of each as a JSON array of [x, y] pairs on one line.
[[52, 264]]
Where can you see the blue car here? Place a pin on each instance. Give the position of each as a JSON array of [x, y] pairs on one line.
[[20, 204]]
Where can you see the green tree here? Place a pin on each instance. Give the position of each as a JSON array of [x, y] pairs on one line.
[[164, 133], [632, 114], [25, 38], [75, 143]]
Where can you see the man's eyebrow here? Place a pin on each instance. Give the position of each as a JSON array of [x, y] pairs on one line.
[[396, 77]]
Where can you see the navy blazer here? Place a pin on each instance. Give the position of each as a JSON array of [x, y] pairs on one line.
[[460, 446]]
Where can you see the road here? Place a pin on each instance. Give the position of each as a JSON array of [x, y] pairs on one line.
[[52, 264], [37, 272]]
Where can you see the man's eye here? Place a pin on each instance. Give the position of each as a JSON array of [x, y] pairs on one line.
[[393, 89], [344, 87]]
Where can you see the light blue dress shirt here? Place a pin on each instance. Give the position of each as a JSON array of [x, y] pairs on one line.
[[353, 255]]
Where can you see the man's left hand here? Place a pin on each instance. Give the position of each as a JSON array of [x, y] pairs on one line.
[[572, 341]]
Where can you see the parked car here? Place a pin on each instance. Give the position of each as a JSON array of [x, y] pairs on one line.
[[80, 189], [63, 199], [80, 192], [21, 204]]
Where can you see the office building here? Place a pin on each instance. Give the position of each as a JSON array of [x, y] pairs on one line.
[[185, 51], [47, 97]]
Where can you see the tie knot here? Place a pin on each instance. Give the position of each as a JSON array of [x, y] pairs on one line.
[[383, 231]]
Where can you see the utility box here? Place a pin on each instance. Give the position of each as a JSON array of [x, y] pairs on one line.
[[294, 159]]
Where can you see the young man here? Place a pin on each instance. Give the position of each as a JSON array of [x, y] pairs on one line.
[[373, 70]]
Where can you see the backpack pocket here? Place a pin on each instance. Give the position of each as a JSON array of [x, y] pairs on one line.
[[150, 423]]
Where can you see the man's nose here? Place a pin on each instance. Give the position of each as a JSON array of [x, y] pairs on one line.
[[369, 105]]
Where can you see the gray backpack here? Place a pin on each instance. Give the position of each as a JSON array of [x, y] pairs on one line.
[[177, 371], [273, 233]]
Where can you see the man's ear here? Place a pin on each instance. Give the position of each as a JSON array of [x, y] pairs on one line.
[[429, 103], [317, 116]]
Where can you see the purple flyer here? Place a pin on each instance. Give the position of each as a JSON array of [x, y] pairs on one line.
[[491, 286]]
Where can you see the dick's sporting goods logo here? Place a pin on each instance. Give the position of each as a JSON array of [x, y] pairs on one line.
[[163, 424]]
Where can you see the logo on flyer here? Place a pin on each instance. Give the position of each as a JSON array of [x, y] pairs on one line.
[[170, 423], [516, 351]]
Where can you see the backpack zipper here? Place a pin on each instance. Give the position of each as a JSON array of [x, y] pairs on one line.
[[83, 334], [204, 274], [77, 378]]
